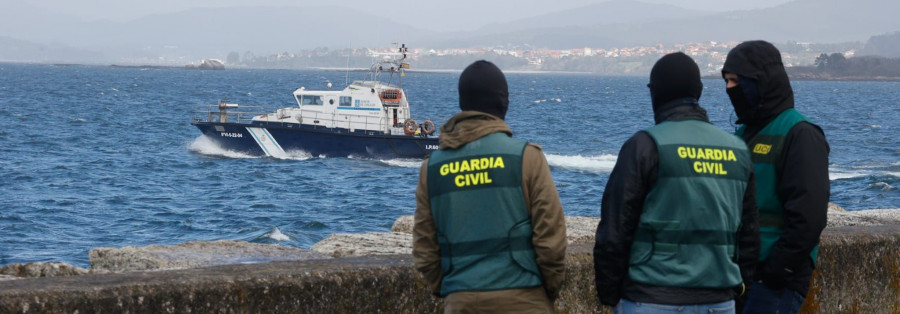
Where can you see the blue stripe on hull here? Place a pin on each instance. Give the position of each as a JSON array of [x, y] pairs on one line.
[[320, 142]]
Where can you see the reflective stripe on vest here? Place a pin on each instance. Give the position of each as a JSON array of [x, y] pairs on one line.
[[483, 227], [687, 235], [767, 150]]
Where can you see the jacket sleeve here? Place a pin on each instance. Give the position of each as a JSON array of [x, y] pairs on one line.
[[623, 201], [426, 252], [804, 190], [748, 235], [547, 219]]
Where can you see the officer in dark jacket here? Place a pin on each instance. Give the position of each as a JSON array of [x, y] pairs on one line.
[[678, 220], [790, 158]]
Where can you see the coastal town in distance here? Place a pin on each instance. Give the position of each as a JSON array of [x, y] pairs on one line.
[[635, 60]]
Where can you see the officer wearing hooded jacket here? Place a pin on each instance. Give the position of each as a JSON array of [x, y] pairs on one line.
[[489, 233], [678, 221], [790, 158]]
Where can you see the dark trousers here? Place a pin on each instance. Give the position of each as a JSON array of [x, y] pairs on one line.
[[761, 299]]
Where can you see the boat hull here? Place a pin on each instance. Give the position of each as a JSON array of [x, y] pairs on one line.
[[281, 140]]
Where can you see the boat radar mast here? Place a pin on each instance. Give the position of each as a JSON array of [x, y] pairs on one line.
[[389, 63]]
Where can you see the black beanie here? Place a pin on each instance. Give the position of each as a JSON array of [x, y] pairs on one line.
[[674, 76], [482, 87]]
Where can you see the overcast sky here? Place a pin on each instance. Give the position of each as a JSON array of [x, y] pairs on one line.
[[445, 15]]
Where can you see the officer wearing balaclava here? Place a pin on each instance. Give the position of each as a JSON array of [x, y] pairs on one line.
[[678, 215], [790, 159]]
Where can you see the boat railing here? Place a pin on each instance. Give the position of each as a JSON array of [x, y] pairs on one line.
[[225, 112]]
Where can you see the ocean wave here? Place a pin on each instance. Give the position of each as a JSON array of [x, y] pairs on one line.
[[537, 101], [403, 162], [276, 235], [838, 173], [882, 186], [203, 145], [295, 155], [841, 174], [596, 164]]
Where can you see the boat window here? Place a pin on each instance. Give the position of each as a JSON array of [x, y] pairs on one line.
[[311, 100], [346, 101]]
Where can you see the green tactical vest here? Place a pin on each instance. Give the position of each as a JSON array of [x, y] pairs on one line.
[[767, 147], [483, 227], [687, 234]]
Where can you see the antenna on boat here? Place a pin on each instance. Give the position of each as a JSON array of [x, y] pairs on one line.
[[403, 50], [349, 51]]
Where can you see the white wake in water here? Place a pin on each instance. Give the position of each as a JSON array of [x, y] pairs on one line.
[[403, 163], [596, 164], [295, 155], [838, 173], [276, 235], [205, 146]]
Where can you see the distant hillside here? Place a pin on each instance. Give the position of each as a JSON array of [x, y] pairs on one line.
[[603, 13], [265, 29], [213, 33], [24, 51], [193, 35], [20, 20], [819, 21], [887, 45], [836, 67]]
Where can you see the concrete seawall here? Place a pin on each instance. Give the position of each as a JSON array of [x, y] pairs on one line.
[[859, 272]]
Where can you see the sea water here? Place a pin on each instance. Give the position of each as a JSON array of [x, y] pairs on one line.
[[94, 156]]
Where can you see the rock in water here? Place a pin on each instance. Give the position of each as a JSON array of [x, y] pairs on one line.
[[403, 224]]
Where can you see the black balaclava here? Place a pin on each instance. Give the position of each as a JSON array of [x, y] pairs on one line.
[[744, 97], [675, 76], [765, 90], [482, 87]]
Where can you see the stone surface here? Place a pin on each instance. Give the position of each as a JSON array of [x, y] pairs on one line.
[[8, 277], [40, 269], [578, 229], [375, 243], [859, 272], [192, 255], [358, 285], [864, 217], [582, 229]]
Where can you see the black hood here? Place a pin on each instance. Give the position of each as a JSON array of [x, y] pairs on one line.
[[761, 62]]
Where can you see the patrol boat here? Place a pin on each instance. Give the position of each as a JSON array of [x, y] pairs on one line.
[[368, 118]]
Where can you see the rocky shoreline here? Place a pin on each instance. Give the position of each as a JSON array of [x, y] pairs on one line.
[[580, 230]]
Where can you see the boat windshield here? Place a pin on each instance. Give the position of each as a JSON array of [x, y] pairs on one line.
[[311, 100]]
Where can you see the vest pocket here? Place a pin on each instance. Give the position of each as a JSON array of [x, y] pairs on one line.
[[647, 241], [520, 247], [446, 254]]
